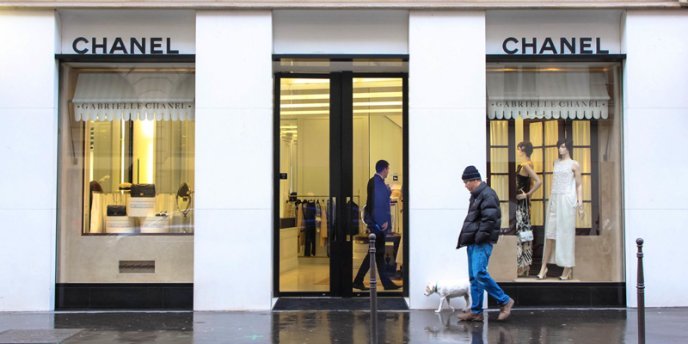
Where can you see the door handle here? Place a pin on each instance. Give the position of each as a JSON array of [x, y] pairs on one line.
[[349, 223], [333, 207]]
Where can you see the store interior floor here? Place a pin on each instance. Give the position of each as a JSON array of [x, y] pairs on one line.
[[312, 274]]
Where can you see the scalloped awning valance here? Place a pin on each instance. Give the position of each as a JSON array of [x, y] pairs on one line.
[[547, 95], [134, 96]]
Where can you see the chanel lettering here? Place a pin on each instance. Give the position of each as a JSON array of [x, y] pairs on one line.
[[118, 45], [550, 46]]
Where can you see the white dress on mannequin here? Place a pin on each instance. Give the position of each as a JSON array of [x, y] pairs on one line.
[[560, 223]]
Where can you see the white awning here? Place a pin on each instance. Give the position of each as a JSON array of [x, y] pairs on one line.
[[142, 96], [547, 95]]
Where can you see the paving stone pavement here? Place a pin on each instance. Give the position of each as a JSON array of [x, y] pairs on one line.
[[664, 325]]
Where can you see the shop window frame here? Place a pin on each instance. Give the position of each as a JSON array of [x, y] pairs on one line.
[[580, 293], [97, 296], [106, 61]]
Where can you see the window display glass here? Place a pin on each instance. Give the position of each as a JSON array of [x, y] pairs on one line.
[[554, 159], [378, 134], [126, 173], [306, 211], [311, 215]]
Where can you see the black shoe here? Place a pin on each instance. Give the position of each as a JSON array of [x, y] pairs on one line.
[[360, 286], [392, 287]]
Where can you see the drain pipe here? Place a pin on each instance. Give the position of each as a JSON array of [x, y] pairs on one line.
[[373, 289], [641, 293]]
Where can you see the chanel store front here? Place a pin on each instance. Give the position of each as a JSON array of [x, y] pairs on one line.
[[554, 157], [219, 159], [126, 164]]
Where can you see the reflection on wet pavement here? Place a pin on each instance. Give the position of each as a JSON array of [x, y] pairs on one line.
[[525, 326]]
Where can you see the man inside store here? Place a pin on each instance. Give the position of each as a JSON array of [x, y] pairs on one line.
[[479, 233], [378, 218]]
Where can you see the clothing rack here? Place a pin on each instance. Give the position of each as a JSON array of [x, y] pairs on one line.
[[357, 197]]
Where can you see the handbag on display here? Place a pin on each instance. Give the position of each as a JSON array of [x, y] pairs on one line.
[[526, 235], [143, 190], [116, 210]]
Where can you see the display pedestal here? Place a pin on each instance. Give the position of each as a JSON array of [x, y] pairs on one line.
[[120, 224], [504, 251]]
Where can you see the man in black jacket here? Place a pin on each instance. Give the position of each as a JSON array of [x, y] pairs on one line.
[[479, 232]]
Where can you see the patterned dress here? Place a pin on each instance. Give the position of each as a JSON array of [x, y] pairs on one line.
[[524, 250]]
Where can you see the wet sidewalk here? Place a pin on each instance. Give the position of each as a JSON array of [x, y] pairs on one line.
[[666, 325]]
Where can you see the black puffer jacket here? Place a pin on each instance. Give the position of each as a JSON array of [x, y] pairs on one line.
[[483, 220]]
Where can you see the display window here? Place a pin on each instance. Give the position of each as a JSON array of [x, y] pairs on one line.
[[554, 159], [126, 173]]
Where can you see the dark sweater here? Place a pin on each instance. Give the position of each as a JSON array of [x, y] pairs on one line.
[[483, 220]]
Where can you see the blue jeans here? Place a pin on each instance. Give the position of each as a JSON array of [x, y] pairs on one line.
[[478, 257]]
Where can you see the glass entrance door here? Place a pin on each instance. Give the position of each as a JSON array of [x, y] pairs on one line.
[[331, 130], [378, 134]]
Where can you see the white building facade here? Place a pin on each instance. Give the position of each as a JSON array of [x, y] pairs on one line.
[[169, 158]]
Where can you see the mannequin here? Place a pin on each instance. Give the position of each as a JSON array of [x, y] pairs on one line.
[[560, 221], [525, 176]]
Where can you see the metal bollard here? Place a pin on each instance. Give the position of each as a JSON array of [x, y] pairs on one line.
[[373, 289], [641, 293]]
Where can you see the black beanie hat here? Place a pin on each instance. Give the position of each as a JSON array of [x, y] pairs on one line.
[[470, 173]]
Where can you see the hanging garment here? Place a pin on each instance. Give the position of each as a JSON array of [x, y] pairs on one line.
[[560, 223], [299, 225], [318, 216], [309, 230], [323, 225]]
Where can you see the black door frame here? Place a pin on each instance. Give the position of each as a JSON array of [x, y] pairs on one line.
[[108, 296], [341, 180]]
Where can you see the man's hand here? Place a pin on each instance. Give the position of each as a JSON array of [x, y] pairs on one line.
[[384, 226]]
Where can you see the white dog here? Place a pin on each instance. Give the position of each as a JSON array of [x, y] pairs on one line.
[[448, 290]]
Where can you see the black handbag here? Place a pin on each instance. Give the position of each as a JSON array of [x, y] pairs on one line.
[[116, 210], [143, 190]]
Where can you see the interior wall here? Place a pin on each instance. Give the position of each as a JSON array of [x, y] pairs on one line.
[[362, 165], [386, 142], [314, 157], [234, 161], [28, 146], [375, 138], [446, 133], [655, 164]]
